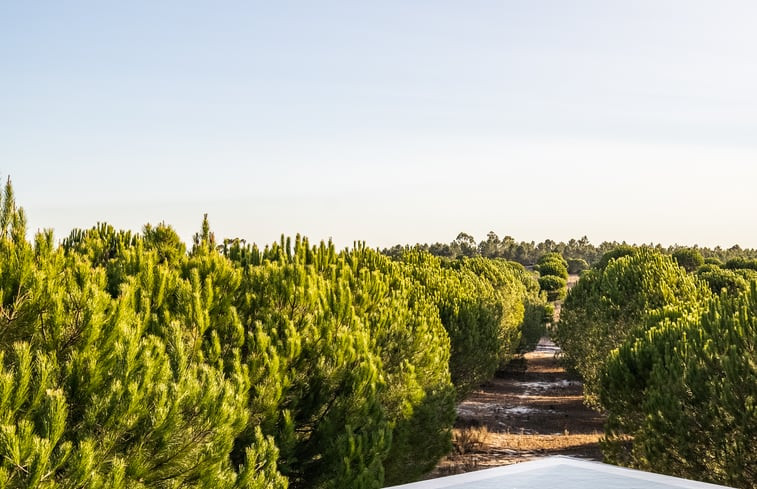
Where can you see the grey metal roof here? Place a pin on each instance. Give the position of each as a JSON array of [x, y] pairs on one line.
[[558, 472]]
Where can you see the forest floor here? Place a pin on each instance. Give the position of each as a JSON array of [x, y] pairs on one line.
[[533, 409]]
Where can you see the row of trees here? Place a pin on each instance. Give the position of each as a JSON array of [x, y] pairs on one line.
[[553, 275], [129, 361], [579, 253], [666, 347]]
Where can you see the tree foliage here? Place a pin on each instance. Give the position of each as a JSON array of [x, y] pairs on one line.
[[555, 287], [632, 292], [91, 398], [685, 393], [689, 258], [553, 268], [741, 264], [553, 271], [127, 360], [718, 279], [470, 314], [529, 252], [577, 265], [537, 311]]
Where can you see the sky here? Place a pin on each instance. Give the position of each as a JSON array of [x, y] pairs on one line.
[[386, 122]]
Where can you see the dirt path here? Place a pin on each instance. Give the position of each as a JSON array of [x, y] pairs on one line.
[[533, 410]]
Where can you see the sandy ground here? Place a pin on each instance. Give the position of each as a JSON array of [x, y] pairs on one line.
[[532, 410]]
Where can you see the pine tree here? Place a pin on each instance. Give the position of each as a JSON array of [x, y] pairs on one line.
[[127, 362], [93, 393], [684, 393], [322, 403], [470, 315], [609, 304], [408, 335]]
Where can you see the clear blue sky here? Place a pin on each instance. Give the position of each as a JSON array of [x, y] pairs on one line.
[[390, 122]]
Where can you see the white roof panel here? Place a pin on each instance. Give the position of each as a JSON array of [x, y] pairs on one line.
[[558, 472]]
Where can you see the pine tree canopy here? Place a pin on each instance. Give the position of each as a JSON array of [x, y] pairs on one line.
[[129, 360]]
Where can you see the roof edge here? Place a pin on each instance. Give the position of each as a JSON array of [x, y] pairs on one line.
[[555, 461]]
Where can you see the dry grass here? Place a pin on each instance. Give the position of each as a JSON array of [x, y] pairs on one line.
[[470, 439], [478, 448], [543, 443]]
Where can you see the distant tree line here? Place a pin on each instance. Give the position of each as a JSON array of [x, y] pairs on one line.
[[575, 251]]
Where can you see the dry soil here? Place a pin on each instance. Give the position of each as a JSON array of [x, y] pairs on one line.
[[532, 410]]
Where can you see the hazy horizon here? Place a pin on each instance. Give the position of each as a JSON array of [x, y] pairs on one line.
[[393, 123]]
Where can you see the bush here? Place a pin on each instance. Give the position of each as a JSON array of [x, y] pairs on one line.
[[607, 305], [577, 265], [553, 268], [718, 279], [509, 293], [471, 314], [552, 264], [689, 258], [557, 295], [126, 362], [684, 393], [617, 252], [741, 264], [404, 323], [324, 406], [551, 282], [538, 313], [555, 287], [550, 257], [93, 396], [373, 294], [166, 243], [747, 274]]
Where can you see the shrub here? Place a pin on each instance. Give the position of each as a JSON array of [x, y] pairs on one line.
[[92, 396], [551, 282], [684, 393], [395, 312], [555, 287], [747, 274], [470, 314], [509, 294], [741, 264], [166, 243], [322, 396], [718, 279], [689, 258], [405, 326], [617, 252], [538, 314], [607, 305], [550, 257], [577, 265], [553, 268]]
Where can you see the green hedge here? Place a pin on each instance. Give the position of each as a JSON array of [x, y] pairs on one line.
[[552, 264], [689, 258], [577, 265], [633, 291], [555, 287], [684, 394], [128, 361]]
